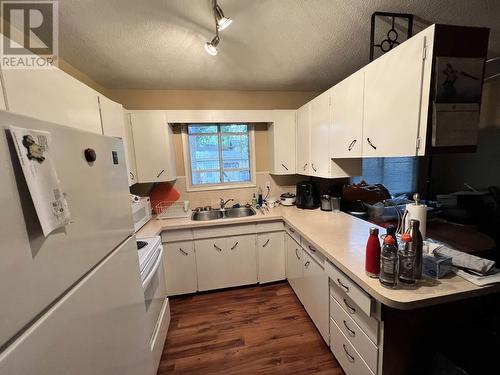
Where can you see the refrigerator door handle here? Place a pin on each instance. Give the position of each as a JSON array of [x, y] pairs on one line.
[[150, 275]]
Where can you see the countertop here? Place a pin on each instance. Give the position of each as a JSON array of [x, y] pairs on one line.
[[342, 239]]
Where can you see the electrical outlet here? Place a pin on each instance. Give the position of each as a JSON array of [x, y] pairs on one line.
[[268, 186]]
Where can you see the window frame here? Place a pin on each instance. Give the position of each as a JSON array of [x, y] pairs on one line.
[[223, 185]]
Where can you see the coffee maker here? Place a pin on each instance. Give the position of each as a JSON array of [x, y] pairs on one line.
[[307, 195]]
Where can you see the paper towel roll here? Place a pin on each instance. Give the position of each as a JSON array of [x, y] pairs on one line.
[[417, 212]]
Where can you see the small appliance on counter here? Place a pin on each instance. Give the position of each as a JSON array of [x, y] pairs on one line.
[[287, 199], [307, 195], [141, 212], [326, 202]]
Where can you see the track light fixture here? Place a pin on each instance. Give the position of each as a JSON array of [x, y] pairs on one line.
[[221, 23]]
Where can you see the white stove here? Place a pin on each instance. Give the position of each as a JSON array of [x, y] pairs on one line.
[[149, 250]]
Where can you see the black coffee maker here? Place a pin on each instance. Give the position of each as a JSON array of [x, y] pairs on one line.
[[307, 195]]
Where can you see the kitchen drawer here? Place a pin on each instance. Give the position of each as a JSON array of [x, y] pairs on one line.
[[361, 342], [223, 231], [176, 235], [315, 253], [368, 324], [350, 288], [346, 355], [293, 233], [271, 226]]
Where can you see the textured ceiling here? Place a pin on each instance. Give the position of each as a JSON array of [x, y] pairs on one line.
[[271, 45]]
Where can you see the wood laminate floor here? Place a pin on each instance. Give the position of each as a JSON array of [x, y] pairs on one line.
[[249, 330]]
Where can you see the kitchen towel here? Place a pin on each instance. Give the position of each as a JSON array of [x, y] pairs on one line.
[[33, 149], [464, 260]]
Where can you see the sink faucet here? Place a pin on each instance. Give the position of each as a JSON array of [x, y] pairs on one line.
[[223, 203]]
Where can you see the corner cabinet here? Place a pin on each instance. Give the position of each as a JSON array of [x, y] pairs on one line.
[[153, 146], [347, 124], [282, 134]]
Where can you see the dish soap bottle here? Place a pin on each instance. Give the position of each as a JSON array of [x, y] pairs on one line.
[[372, 260], [389, 263], [254, 200]]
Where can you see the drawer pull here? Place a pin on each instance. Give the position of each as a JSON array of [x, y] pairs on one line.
[[183, 252], [346, 352], [351, 309], [234, 246], [266, 243], [297, 253], [351, 332], [312, 249], [307, 264], [217, 247], [342, 285]]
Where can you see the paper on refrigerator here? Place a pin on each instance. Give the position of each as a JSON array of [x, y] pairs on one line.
[[34, 151]]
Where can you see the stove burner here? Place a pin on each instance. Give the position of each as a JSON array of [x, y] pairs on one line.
[[141, 244]]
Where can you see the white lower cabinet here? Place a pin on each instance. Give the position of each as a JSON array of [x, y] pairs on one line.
[[271, 253], [315, 293], [293, 264], [344, 352], [180, 267], [226, 262]]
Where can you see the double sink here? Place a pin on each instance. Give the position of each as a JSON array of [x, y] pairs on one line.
[[223, 214]]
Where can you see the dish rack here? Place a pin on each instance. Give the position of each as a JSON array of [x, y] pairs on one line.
[[171, 210]]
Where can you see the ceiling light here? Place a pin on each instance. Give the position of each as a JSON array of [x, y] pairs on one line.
[[222, 21], [211, 47]]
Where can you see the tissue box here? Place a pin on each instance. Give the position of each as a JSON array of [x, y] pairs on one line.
[[436, 267]]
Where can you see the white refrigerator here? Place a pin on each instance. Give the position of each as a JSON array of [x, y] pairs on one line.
[[71, 302]]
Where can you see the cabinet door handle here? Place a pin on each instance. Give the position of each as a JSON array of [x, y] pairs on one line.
[[132, 176], [342, 285], [351, 332], [371, 144], [291, 230], [305, 166], [217, 247], [351, 145], [346, 352], [266, 243], [159, 174], [307, 264], [312, 249], [297, 253], [314, 169], [234, 246], [183, 252], [284, 166], [351, 309]]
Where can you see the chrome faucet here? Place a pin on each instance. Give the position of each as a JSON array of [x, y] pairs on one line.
[[223, 203]]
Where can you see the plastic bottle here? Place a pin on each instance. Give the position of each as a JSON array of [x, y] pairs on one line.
[[389, 263], [372, 260], [406, 257]]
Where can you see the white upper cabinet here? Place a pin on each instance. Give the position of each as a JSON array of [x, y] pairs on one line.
[[320, 126], [153, 145], [393, 93], [115, 124], [347, 106], [52, 95], [281, 142], [303, 140]]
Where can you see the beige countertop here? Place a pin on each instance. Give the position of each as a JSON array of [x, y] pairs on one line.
[[342, 239]]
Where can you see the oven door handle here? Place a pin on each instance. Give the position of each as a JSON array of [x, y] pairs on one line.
[[150, 275]]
